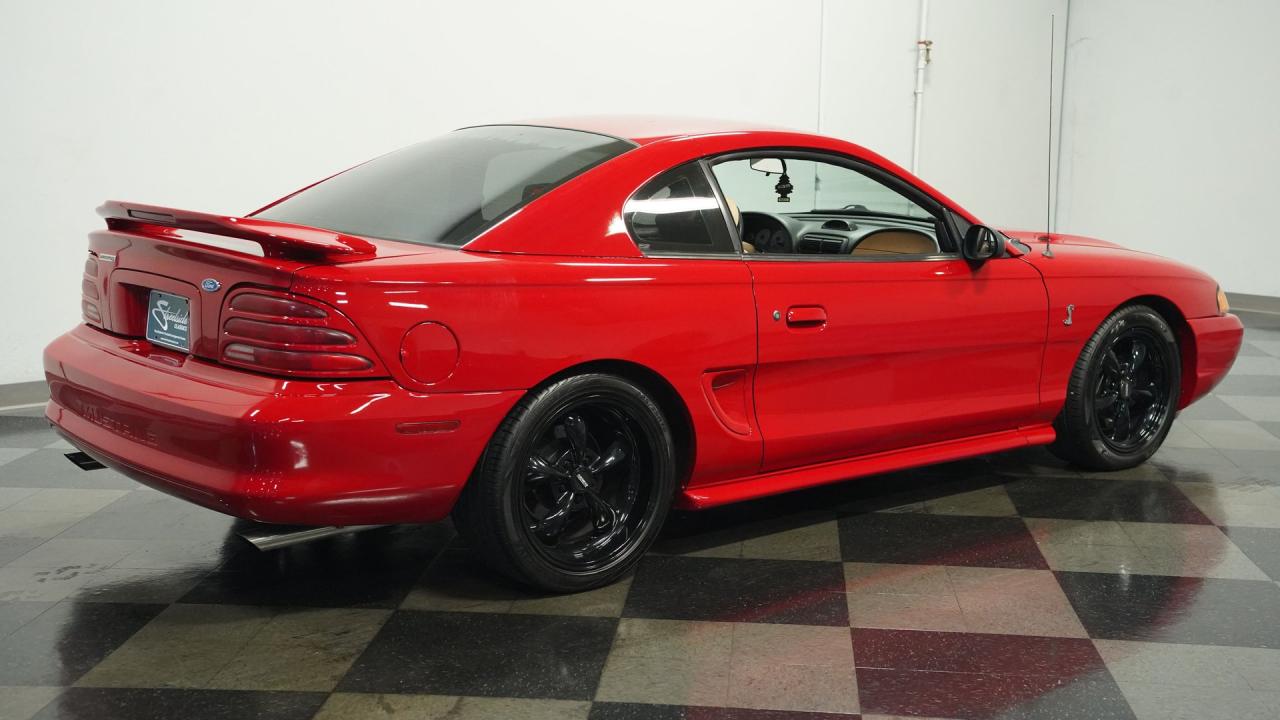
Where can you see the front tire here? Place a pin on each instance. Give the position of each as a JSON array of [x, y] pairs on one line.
[[574, 485], [1122, 394]]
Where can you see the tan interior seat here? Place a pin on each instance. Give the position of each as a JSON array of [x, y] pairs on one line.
[[895, 242], [736, 214]]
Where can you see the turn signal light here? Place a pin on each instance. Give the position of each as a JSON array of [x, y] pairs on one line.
[[1223, 306], [89, 295], [286, 334]]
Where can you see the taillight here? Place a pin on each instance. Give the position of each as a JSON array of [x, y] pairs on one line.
[[89, 296], [286, 334]]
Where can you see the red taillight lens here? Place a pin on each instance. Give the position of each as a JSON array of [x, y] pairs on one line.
[[296, 361], [90, 312], [89, 295], [289, 334], [286, 334], [276, 306]]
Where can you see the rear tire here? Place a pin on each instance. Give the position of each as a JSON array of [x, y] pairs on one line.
[[573, 486], [1122, 394]]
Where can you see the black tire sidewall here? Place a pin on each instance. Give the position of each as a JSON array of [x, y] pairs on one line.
[[1142, 316], [506, 467]]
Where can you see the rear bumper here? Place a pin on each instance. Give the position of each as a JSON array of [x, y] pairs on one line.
[[267, 449], [1217, 342]]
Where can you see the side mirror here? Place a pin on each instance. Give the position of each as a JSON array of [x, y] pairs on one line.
[[981, 243]]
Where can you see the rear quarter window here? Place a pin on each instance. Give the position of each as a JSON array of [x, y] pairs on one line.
[[677, 212], [448, 190]]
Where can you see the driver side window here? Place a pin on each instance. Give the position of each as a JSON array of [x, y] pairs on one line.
[[796, 206]]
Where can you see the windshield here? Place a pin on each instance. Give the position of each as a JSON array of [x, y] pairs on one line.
[[448, 190], [811, 186]]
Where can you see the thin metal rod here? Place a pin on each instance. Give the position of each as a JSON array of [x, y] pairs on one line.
[[1048, 182]]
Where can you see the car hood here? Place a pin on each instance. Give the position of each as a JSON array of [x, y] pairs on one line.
[[1038, 237]]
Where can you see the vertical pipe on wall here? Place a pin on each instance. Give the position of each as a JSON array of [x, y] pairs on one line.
[[822, 31], [923, 48]]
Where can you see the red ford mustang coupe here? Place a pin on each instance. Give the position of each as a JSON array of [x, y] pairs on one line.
[[554, 332]]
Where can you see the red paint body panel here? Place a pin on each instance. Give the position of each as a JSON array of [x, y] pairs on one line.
[[1097, 277], [267, 449], [874, 376], [813, 475], [1217, 343], [870, 367]]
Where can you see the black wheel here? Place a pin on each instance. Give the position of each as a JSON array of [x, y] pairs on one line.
[[574, 485], [1122, 394]]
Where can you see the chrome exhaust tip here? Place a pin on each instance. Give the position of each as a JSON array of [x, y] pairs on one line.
[[272, 537]]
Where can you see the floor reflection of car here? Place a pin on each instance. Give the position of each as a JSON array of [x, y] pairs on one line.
[[555, 333]]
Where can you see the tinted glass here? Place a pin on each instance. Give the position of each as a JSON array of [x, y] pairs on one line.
[[677, 212], [450, 189]]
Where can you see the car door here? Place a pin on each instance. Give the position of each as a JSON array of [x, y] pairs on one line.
[[867, 352]]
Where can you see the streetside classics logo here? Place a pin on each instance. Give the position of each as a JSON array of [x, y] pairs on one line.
[[164, 316]]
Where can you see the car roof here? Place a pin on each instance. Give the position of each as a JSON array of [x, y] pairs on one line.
[[645, 129]]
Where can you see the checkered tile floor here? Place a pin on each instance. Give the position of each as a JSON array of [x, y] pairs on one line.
[[1007, 586]]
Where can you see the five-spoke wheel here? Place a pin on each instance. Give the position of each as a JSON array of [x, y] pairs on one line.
[[1123, 392], [574, 485]]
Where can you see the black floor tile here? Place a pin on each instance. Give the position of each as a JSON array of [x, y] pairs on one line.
[[51, 469], [373, 569], [1094, 499], [691, 532], [1200, 611], [1262, 545], [973, 675], [738, 590], [530, 656], [916, 538], [1094, 695], [67, 640], [640, 711], [153, 704]]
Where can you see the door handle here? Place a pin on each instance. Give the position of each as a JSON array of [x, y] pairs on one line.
[[806, 316]]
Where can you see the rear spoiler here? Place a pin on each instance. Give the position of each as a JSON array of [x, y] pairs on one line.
[[278, 240]]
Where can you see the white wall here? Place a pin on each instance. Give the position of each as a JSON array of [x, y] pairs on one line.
[[1171, 113], [222, 106]]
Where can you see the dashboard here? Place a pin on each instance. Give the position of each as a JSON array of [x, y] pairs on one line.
[[836, 234]]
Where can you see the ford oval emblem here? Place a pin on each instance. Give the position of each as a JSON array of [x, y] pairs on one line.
[[210, 285]]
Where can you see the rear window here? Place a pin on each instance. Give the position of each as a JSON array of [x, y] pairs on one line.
[[448, 190]]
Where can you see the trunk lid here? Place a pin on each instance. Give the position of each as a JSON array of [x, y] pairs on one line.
[[201, 258]]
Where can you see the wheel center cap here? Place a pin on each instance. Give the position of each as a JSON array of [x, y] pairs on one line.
[[583, 478], [1126, 389]]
